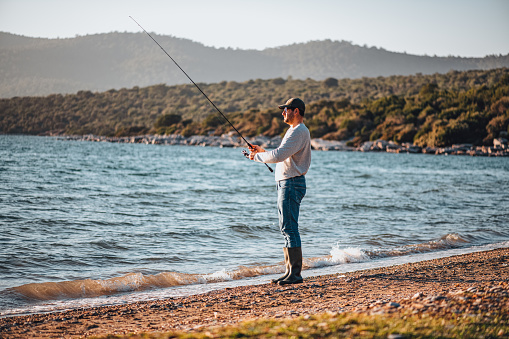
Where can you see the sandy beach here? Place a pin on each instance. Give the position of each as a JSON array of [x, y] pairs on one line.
[[463, 285]]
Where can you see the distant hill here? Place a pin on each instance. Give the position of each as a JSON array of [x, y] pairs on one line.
[[38, 67]]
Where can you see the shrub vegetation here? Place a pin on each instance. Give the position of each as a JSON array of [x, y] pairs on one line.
[[435, 110]]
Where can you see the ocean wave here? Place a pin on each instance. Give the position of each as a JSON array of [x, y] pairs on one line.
[[93, 288], [340, 256], [447, 241], [132, 282], [139, 281]]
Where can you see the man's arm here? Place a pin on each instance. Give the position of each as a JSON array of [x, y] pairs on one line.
[[292, 143]]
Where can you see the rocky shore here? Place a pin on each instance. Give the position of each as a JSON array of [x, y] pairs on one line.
[[453, 290], [500, 146]]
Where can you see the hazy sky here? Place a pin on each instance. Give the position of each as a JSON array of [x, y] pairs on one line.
[[432, 27]]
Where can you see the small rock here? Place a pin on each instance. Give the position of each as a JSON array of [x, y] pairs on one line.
[[417, 305], [418, 295], [437, 297]]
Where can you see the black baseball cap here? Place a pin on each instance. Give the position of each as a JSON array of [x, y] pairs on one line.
[[294, 103]]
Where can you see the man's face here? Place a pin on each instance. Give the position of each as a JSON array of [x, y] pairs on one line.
[[289, 115]]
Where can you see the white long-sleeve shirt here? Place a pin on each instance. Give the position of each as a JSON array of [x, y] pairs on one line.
[[293, 156]]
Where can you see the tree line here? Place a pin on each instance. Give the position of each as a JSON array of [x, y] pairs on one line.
[[428, 110]]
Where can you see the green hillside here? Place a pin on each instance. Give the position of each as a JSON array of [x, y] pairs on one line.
[[429, 110]]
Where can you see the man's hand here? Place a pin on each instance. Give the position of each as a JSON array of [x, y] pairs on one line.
[[255, 149]]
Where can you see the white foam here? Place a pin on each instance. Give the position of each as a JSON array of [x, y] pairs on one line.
[[222, 275], [347, 255], [338, 256]]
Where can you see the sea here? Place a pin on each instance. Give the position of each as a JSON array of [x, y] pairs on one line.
[[87, 224]]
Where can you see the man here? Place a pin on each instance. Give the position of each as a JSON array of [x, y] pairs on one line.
[[293, 158]]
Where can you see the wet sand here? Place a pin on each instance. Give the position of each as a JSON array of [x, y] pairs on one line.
[[464, 285]]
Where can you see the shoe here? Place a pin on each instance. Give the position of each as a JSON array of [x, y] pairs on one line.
[[295, 261]]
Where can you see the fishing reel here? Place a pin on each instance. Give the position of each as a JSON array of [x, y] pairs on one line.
[[246, 154]]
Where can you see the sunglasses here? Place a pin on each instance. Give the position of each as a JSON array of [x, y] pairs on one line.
[[288, 108]]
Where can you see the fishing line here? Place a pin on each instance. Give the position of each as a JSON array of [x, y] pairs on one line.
[[205, 95]]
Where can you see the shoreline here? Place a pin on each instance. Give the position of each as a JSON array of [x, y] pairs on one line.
[[499, 149], [434, 286]]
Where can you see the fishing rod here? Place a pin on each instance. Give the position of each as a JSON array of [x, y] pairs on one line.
[[205, 95]]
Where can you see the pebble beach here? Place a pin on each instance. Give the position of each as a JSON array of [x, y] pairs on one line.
[[463, 286]]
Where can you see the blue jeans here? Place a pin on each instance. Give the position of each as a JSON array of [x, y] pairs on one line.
[[289, 195]]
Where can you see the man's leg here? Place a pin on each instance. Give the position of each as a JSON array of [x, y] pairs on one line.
[[290, 194]]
